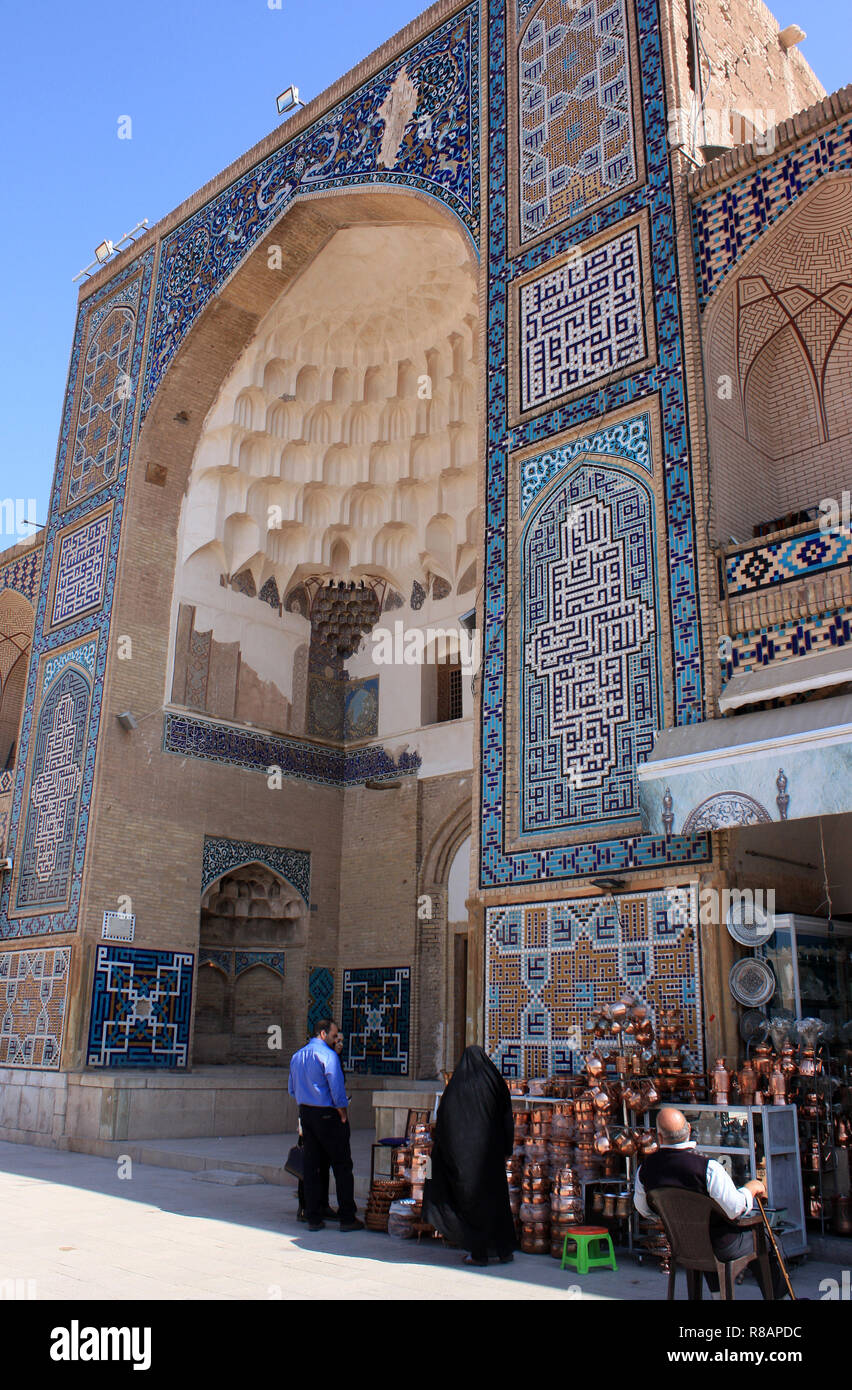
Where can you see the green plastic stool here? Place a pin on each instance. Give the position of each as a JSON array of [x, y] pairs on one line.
[[594, 1249]]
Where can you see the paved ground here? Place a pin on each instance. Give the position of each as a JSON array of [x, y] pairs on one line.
[[77, 1230]]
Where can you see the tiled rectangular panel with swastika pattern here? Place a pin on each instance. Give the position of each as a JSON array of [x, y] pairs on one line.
[[376, 1020], [582, 320], [548, 965], [141, 1003]]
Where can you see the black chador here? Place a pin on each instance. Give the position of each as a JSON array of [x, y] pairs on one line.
[[467, 1196]]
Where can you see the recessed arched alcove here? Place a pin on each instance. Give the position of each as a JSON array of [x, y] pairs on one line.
[[251, 973], [778, 351]]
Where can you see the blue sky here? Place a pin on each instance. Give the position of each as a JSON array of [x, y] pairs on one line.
[[199, 82]]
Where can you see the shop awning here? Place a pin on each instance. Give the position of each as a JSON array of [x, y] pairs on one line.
[[782, 764], [813, 672]]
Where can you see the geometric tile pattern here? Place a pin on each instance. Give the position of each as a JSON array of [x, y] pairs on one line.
[[575, 108], [761, 566], [23, 574], [140, 1008], [665, 382], [271, 960], [103, 402], [630, 439], [221, 856], [50, 828], [799, 637], [320, 996], [590, 704], [729, 220], [582, 321], [548, 965], [129, 290], [82, 569], [193, 737], [33, 989], [425, 136], [376, 1020]]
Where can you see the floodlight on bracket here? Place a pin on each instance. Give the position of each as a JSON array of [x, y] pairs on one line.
[[288, 101], [107, 249]]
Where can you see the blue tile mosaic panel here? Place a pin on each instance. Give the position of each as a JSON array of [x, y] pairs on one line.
[[728, 220], [774, 562], [57, 758], [575, 110], [141, 1002], [194, 737], [91, 472], [104, 395], [220, 856], [414, 125], [549, 965], [81, 570], [664, 381], [22, 574], [582, 321], [320, 996], [376, 1020], [33, 993], [589, 661]]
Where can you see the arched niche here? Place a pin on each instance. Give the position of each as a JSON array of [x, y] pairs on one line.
[[16, 633], [778, 351], [264, 484]]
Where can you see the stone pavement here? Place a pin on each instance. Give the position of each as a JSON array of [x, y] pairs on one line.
[[78, 1231]]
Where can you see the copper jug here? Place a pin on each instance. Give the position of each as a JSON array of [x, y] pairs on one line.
[[747, 1083], [778, 1085], [650, 1095], [721, 1082]]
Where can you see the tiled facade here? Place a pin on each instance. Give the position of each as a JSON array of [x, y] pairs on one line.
[[550, 964], [598, 594]]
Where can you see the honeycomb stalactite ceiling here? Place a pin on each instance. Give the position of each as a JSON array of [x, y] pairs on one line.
[[344, 441]]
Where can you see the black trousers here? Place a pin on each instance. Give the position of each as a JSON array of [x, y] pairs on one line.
[[731, 1246], [325, 1139], [325, 1173]]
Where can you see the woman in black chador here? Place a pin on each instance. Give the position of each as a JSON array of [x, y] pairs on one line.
[[467, 1196]]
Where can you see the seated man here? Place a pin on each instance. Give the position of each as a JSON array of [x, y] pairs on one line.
[[677, 1164]]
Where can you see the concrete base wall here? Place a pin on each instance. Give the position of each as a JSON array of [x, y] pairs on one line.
[[91, 1111]]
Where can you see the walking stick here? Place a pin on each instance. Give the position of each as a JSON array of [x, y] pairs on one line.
[[773, 1242]]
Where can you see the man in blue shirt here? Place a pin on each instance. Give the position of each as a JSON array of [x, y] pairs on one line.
[[316, 1081]]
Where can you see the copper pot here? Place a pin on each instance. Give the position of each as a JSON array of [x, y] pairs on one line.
[[609, 1206], [622, 1205], [625, 1144], [602, 1143], [633, 1098], [650, 1095], [597, 1202]]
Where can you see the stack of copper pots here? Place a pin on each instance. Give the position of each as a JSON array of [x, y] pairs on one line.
[[522, 1126], [535, 1209], [421, 1150], [584, 1125], [566, 1208], [540, 1123]]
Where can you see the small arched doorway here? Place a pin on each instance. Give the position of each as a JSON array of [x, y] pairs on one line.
[[251, 968]]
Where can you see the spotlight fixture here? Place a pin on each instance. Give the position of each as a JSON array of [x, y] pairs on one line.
[[288, 101], [127, 720], [106, 249], [5, 866], [382, 786], [468, 620], [608, 885]]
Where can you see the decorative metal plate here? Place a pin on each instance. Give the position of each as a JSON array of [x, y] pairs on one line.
[[752, 982], [749, 924]]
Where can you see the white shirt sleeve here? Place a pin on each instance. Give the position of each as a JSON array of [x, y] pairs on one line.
[[735, 1201], [640, 1200]]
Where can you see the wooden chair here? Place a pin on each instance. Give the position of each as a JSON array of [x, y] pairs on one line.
[[686, 1219]]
